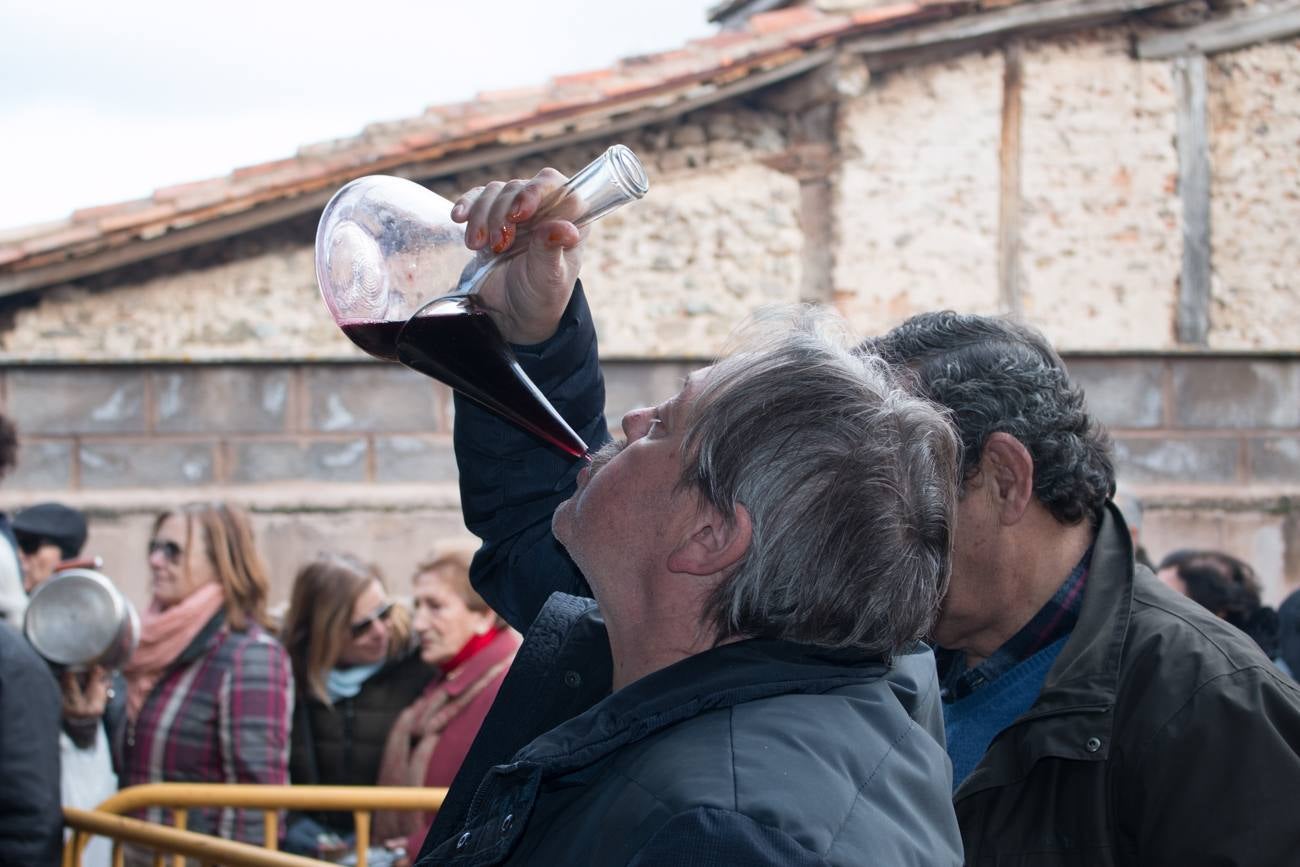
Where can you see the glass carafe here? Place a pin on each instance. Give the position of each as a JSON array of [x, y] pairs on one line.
[[397, 278]]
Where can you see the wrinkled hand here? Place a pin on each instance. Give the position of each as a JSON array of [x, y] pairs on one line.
[[85, 695], [528, 296]]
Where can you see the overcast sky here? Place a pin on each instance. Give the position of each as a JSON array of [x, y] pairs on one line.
[[105, 101]]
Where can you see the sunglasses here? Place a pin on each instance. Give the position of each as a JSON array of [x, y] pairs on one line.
[[170, 550], [28, 543], [361, 627]]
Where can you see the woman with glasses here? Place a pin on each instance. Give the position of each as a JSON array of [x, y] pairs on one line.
[[472, 648], [357, 667], [209, 690]]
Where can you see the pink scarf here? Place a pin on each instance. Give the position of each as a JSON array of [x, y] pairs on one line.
[[164, 635]]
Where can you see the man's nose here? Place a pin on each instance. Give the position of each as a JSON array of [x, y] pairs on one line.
[[635, 423]]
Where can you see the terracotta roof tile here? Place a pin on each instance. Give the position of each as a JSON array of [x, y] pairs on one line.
[[135, 218], [723, 39], [887, 13], [177, 192], [93, 214], [816, 28], [265, 168], [491, 121], [74, 234], [780, 20], [621, 88], [566, 103], [588, 77]]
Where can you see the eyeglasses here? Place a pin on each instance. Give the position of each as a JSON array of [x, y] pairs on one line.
[[170, 550], [361, 627]]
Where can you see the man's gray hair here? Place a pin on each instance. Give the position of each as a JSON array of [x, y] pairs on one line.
[[850, 482]]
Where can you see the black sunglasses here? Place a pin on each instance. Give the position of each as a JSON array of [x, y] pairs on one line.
[[361, 627], [27, 543], [170, 550]]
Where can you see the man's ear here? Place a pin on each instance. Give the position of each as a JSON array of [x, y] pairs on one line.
[[1008, 470], [713, 544]]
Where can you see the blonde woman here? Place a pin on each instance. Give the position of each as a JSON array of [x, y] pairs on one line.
[[209, 691], [357, 668], [472, 648]]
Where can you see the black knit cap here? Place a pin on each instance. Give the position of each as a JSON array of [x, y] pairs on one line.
[[53, 522]]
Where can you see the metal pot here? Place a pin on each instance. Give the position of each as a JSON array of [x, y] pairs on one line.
[[79, 619]]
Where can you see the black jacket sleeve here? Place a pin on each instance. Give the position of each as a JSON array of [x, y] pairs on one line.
[[31, 819], [511, 481]]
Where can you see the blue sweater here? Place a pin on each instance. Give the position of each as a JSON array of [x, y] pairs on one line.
[[972, 723]]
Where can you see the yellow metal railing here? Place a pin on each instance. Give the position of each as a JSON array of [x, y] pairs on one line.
[[107, 820]]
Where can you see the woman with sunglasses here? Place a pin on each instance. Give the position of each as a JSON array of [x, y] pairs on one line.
[[209, 690], [472, 648], [356, 667]]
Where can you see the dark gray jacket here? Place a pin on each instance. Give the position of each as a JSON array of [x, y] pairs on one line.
[[1162, 736], [758, 752], [31, 820]]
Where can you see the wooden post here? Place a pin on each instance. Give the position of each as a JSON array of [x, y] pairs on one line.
[[1193, 316], [1009, 271]]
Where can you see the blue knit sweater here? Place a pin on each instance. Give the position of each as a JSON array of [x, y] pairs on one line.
[[971, 723]]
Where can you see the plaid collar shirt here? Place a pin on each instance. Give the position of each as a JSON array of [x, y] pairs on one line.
[[220, 714], [1053, 620]]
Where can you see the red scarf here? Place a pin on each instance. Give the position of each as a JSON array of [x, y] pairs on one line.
[[473, 646]]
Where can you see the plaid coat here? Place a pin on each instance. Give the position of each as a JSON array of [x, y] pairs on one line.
[[220, 714]]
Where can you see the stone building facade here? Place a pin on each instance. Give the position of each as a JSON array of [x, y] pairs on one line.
[[1041, 171]]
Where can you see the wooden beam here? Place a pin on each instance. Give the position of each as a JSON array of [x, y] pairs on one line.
[[1193, 315], [999, 23], [1009, 268], [1241, 28]]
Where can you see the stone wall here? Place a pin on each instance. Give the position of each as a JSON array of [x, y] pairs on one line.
[[917, 194], [1100, 215], [1254, 113]]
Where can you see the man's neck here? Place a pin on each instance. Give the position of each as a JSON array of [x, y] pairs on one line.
[[1033, 572], [648, 644]]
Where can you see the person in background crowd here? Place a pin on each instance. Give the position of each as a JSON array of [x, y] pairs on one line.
[[1130, 508], [209, 691], [765, 548], [1288, 635], [472, 648], [31, 820], [50, 537], [1093, 716], [356, 667], [13, 599], [1226, 587]]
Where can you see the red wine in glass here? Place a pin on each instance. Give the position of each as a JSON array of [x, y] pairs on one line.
[[456, 342]]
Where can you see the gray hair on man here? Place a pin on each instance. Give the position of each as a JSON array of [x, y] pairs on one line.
[[850, 482]]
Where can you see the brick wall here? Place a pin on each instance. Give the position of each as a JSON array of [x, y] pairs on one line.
[[358, 456]]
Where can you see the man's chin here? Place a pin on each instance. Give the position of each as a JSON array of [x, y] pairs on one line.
[[562, 521]]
